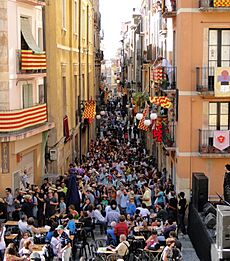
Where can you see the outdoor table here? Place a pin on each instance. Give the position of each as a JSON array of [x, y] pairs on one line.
[[140, 229], [43, 230], [11, 223], [104, 251], [11, 237], [38, 248]]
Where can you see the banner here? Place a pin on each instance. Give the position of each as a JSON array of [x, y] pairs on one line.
[[221, 3], [222, 82], [141, 123], [221, 139], [89, 110], [157, 132], [162, 101]]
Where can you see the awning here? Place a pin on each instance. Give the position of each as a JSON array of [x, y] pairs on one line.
[[28, 36]]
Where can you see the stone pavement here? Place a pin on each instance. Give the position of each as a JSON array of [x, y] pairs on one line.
[[189, 253]]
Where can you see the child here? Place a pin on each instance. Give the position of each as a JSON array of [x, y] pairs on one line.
[[62, 206]]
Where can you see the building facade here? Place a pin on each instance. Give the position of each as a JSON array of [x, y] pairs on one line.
[[193, 37], [23, 106], [70, 78]]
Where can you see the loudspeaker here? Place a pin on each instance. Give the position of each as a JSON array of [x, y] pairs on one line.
[[209, 208], [223, 228], [199, 190], [210, 220]]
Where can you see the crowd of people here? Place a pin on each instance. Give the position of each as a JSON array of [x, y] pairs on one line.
[[117, 187]]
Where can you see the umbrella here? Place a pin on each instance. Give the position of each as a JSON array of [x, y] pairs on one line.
[[73, 197]]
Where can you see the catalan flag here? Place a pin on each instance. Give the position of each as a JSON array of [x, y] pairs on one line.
[[31, 61]]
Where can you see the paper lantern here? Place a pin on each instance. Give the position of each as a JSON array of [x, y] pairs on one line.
[[139, 116], [147, 122], [153, 116]]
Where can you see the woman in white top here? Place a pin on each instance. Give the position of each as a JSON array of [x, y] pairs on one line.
[[2, 240], [55, 243]]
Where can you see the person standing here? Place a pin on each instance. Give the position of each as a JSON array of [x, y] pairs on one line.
[[9, 200], [182, 205], [146, 198], [227, 183]]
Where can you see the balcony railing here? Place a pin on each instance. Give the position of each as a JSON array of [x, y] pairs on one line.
[[205, 77], [33, 2], [168, 135], [17, 120], [99, 55], [214, 4], [169, 8], [28, 62], [165, 77], [206, 138]]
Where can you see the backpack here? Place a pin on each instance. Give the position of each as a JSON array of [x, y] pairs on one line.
[[177, 255]]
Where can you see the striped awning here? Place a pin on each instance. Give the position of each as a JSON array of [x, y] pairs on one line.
[[31, 61], [28, 36]]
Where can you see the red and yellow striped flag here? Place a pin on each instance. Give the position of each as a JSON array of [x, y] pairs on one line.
[[141, 123], [89, 110]]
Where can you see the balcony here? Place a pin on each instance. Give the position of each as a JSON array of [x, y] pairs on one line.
[[205, 79], [33, 2], [206, 147], [165, 78], [30, 63], [168, 136], [214, 5], [99, 56], [17, 120], [169, 9]]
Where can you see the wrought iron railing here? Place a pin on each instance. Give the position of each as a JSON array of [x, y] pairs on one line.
[[206, 138], [205, 79], [168, 135]]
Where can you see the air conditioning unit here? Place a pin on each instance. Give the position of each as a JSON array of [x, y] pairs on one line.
[[53, 154]]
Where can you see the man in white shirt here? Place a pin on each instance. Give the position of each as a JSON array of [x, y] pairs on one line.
[[123, 248], [144, 212], [22, 224]]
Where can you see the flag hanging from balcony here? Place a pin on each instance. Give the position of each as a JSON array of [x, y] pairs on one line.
[[141, 124], [162, 101], [31, 61], [221, 3], [159, 74], [222, 82], [89, 110], [157, 132], [221, 139]]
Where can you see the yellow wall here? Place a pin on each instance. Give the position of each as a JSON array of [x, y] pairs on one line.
[[67, 48]]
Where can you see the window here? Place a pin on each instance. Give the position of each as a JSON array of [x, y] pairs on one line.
[[64, 95], [64, 14], [219, 48], [82, 94], [27, 93], [219, 116], [41, 93], [75, 17]]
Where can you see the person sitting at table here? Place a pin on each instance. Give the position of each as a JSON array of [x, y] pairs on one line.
[[151, 242], [25, 237], [167, 254], [123, 248], [11, 254], [173, 235], [73, 211], [51, 232], [111, 237], [23, 225], [55, 244], [32, 229], [27, 248], [112, 215], [144, 212], [161, 214], [121, 227], [86, 205], [2, 240], [169, 226], [71, 224], [65, 241]]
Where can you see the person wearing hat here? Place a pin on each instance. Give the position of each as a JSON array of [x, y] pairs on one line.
[[65, 241], [227, 183]]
